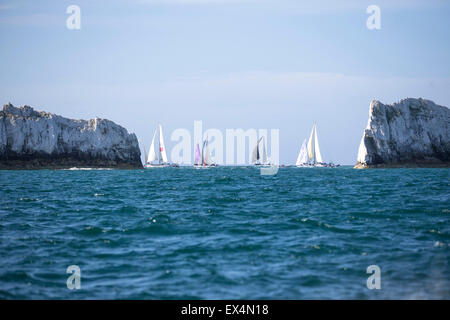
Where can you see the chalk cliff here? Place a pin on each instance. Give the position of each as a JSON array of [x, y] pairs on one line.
[[410, 133], [32, 139]]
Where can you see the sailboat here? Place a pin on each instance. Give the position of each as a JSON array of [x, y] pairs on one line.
[[203, 159], [197, 157], [309, 155], [302, 159], [260, 158], [314, 155], [160, 160]]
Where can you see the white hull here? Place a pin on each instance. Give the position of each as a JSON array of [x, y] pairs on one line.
[[206, 166], [151, 166], [304, 166], [160, 165], [317, 165]]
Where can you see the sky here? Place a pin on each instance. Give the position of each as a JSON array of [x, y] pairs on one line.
[[272, 64]]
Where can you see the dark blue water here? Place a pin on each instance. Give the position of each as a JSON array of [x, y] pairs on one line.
[[225, 233]]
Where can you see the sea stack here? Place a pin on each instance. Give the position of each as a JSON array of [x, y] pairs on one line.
[[410, 133], [32, 139]]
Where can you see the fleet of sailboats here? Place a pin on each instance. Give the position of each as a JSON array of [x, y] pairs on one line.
[[309, 155]]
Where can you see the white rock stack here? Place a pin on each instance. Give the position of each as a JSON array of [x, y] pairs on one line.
[[32, 139], [410, 133]]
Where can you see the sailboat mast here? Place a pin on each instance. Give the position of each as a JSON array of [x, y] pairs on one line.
[[318, 155], [203, 148], [159, 145], [311, 151], [264, 151], [152, 154], [206, 159], [314, 144], [197, 155]]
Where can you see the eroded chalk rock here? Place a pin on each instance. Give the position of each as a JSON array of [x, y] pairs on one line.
[[410, 133], [35, 139]]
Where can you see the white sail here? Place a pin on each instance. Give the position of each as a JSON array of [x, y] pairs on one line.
[[318, 156], [197, 158], [311, 145], [162, 148], [302, 155], [264, 158], [151, 152], [206, 152], [314, 155], [255, 154]]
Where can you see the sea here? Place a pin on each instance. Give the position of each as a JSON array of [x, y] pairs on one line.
[[225, 233]]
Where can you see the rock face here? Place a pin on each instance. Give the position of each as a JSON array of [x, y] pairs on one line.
[[32, 139], [410, 133]]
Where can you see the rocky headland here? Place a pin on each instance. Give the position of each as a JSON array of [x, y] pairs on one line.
[[31, 139], [410, 133]]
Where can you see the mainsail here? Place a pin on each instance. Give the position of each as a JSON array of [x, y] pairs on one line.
[[302, 155], [198, 159], [316, 146], [255, 153], [162, 148], [151, 152], [264, 159], [314, 155], [206, 154], [205, 151], [311, 153]]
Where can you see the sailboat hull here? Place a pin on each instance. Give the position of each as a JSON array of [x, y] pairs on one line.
[[316, 165], [151, 166], [309, 155], [162, 165], [304, 166], [262, 165], [204, 166]]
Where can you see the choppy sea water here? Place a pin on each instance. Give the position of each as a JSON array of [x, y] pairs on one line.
[[225, 233]]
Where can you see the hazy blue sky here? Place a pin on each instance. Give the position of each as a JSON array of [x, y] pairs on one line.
[[231, 63]]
